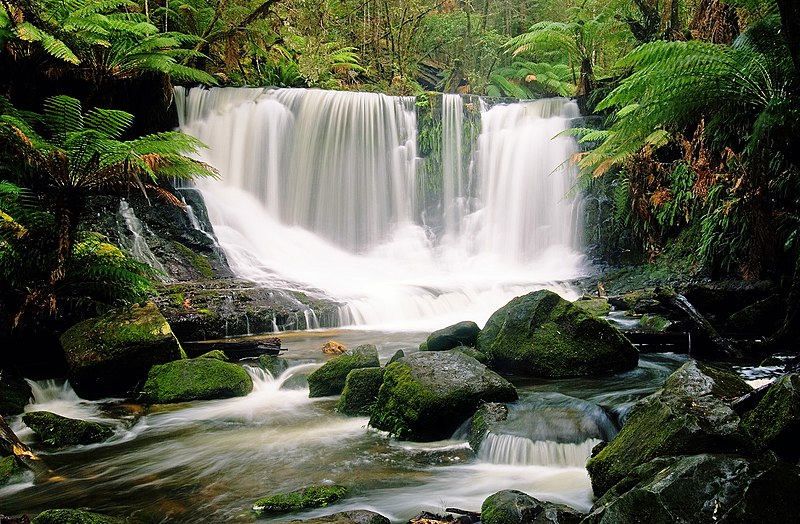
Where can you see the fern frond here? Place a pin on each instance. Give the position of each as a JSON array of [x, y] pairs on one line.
[[52, 45]]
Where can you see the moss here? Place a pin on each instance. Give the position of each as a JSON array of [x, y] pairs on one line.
[[274, 365], [198, 261], [9, 468], [541, 334], [309, 497], [598, 307], [330, 378], [401, 400], [474, 353], [195, 379], [487, 414], [360, 391], [654, 323], [217, 354], [72, 516], [775, 421], [57, 431]]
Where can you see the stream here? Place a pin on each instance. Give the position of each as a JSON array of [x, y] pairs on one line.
[[209, 461]]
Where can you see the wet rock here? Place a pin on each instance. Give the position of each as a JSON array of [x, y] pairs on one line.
[[360, 391], [702, 488], [654, 323], [775, 422], [73, 516], [597, 306], [194, 379], [761, 318], [541, 334], [487, 416], [15, 393], [516, 507], [274, 365], [330, 378], [474, 353], [397, 356], [432, 518], [9, 470], [356, 516], [110, 355], [308, 497], [425, 396], [688, 416], [461, 334], [216, 354], [332, 347], [57, 431]]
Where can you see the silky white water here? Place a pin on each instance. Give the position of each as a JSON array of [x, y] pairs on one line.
[[319, 191]]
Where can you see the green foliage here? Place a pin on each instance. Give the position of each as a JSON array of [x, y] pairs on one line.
[[309, 497]]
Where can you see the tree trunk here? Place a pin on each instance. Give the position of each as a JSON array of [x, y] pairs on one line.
[[790, 23]]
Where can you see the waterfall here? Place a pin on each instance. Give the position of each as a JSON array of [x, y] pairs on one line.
[[514, 450], [319, 193], [132, 238]]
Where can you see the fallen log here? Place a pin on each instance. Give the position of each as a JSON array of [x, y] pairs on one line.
[[11, 445], [235, 349]]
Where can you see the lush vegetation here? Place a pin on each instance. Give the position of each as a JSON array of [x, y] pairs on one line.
[[691, 151]]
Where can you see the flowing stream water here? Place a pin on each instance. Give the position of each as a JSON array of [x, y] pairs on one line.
[[209, 461], [321, 192]]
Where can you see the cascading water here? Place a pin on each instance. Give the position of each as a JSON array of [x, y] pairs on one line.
[[319, 188]]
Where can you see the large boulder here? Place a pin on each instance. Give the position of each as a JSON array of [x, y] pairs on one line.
[[360, 391], [515, 507], [110, 355], [330, 378], [426, 395], [195, 379], [702, 488], [461, 334], [775, 421], [309, 497], [688, 416], [57, 431], [541, 334]]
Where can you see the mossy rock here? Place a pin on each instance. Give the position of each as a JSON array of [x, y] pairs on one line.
[[775, 422], [702, 488], [597, 306], [515, 507], [688, 416], [474, 353], [195, 379], [275, 366], [425, 396], [110, 355], [654, 323], [330, 378], [9, 469], [357, 516], [216, 354], [360, 391], [15, 393], [542, 335], [57, 431], [484, 418], [308, 497], [460, 334], [73, 516]]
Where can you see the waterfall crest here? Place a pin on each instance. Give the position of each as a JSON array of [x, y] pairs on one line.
[[319, 189]]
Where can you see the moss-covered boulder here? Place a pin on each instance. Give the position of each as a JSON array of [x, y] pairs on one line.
[[474, 353], [688, 416], [57, 431], [702, 488], [273, 365], [461, 334], [9, 470], [360, 391], [217, 354], [515, 507], [308, 497], [356, 516], [486, 416], [330, 378], [775, 421], [597, 306], [73, 516], [15, 393], [195, 379], [541, 334], [425, 396], [110, 355]]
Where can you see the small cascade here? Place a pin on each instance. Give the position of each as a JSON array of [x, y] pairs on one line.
[[132, 239], [521, 451], [453, 180], [311, 319]]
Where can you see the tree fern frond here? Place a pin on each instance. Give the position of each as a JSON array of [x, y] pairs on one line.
[[112, 123], [52, 45]]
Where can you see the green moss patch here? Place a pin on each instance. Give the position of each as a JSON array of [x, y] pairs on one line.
[[57, 431], [330, 378], [308, 497], [195, 379], [72, 516]]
